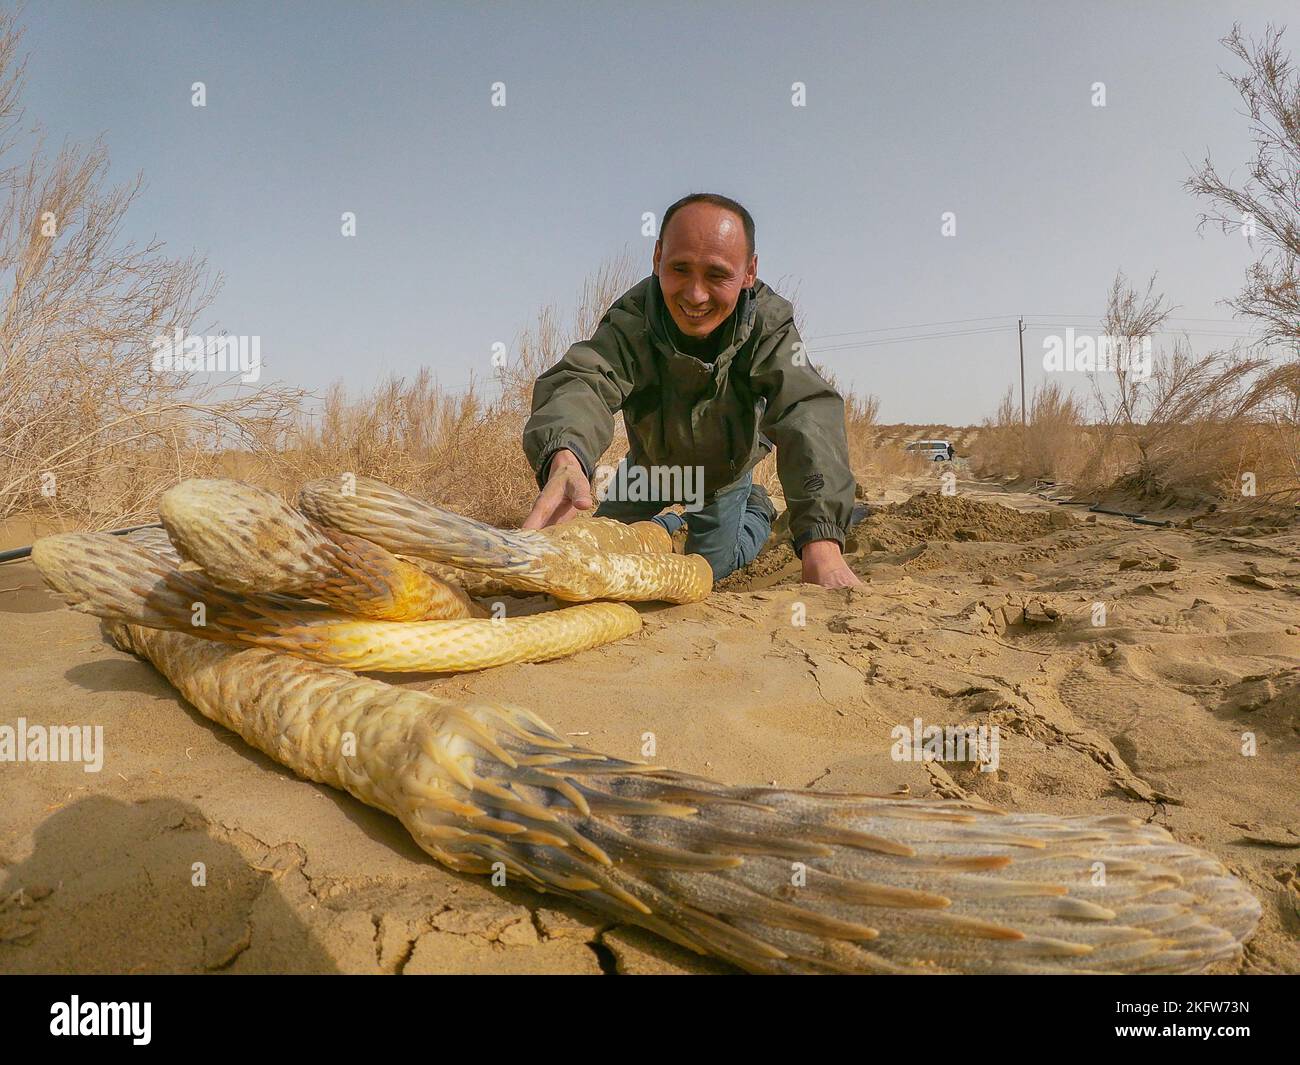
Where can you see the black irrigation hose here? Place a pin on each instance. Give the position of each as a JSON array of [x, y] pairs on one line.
[[1137, 519], [23, 552], [1097, 508]]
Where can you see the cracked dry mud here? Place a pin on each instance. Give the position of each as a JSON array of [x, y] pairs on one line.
[[976, 610]]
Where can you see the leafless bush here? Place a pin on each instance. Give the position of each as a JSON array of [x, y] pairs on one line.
[[1053, 444], [1268, 203], [89, 431], [1190, 428], [1267, 207], [1198, 423]]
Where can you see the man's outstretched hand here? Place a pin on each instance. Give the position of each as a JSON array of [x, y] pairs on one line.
[[567, 491], [823, 563]]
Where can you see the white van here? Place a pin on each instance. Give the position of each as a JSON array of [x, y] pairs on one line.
[[933, 450]]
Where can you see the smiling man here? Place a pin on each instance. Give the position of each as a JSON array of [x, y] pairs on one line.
[[705, 363]]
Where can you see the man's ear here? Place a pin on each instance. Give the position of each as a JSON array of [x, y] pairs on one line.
[[659, 247], [751, 275]]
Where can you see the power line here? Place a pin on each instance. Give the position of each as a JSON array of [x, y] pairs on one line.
[[1000, 317], [1098, 317], [896, 328], [984, 330], [904, 340], [1157, 332]]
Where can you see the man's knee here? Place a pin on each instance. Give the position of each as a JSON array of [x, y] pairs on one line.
[[721, 560], [726, 553], [731, 530]]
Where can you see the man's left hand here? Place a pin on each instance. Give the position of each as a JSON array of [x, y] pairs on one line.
[[823, 563]]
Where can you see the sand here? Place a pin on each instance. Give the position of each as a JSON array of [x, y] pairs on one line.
[[977, 609]]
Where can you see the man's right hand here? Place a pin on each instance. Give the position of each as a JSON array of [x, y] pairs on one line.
[[567, 491]]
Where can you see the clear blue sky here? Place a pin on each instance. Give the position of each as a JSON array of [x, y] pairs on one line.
[[470, 217]]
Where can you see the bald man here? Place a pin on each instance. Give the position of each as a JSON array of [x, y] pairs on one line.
[[705, 363]]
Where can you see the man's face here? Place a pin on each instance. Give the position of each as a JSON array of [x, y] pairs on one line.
[[702, 263]]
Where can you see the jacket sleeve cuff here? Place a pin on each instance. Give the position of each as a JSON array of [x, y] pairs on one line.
[[822, 530], [548, 453]]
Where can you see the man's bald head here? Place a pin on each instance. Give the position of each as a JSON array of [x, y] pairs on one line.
[[712, 199]]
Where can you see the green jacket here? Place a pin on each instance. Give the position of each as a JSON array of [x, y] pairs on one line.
[[680, 411]]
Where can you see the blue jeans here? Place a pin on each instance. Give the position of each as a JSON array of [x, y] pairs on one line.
[[725, 532]]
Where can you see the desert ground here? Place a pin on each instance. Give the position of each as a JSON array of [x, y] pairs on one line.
[[976, 608]]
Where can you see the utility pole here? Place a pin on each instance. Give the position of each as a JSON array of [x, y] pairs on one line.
[[1022, 373]]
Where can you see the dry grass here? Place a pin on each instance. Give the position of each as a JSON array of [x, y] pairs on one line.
[[1211, 421], [1053, 444], [860, 414]]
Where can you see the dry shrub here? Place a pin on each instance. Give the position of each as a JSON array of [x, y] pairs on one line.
[[860, 413], [89, 431], [1212, 427], [1191, 430], [412, 434], [887, 455], [1265, 206], [1190, 434], [543, 345], [1196, 430], [1208, 421], [897, 461], [867, 459], [1051, 445]]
